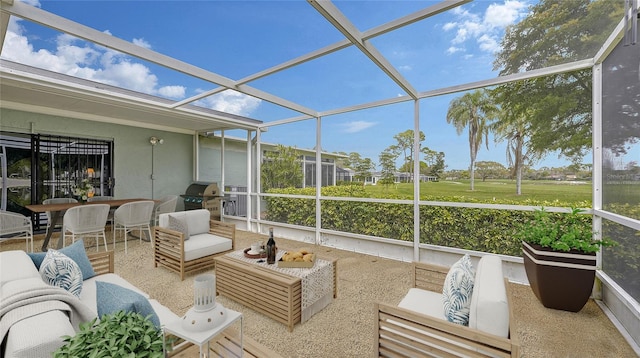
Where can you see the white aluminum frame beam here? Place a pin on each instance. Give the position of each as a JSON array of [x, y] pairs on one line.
[[4, 22], [563, 68], [377, 31], [340, 22], [53, 85]]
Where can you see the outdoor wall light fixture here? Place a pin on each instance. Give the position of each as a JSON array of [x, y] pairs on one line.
[[156, 140], [153, 140]]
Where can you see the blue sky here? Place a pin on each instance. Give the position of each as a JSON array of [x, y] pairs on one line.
[[238, 38]]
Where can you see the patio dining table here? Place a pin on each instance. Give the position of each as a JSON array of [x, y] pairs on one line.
[[57, 209]]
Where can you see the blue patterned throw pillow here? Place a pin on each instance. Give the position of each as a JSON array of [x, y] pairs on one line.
[[76, 252], [457, 290], [59, 270]]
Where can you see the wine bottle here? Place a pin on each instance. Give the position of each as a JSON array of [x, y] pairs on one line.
[[271, 248]]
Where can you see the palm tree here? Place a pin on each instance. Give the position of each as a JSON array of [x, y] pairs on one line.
[[515, 132], [475, 110]]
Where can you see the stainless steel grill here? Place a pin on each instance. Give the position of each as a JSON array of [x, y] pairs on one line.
[[198, 194]]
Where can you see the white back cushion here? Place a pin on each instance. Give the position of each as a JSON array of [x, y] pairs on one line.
[[489, 311], [197, 220], [16, 265]]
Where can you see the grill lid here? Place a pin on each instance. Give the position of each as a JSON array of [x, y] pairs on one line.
[[199, 189]]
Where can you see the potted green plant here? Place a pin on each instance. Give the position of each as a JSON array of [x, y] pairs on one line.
[[119, 334], [559, 252]]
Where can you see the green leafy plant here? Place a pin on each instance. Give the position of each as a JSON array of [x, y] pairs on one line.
[[119, 334], [562, 232]]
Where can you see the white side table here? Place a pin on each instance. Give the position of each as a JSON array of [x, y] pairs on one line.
[[201, 339]]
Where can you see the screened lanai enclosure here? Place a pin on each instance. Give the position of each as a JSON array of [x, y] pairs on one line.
[[505, 106]]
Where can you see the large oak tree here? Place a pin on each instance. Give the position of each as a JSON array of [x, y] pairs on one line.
[[557, 108]]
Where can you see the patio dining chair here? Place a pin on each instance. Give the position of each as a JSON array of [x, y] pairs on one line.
[[98, 199], [86, 220], [50, 224], [130, 216], [14, 225], [166, 205]]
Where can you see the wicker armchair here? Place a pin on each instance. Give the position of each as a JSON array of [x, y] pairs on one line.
[[86, 220], [166, 205], [12, 224], [52, 221]]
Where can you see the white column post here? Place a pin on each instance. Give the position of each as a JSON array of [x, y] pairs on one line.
[[318, 177], [416, 180]]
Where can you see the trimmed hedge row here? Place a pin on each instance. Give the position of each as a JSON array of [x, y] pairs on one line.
[[487, 230]]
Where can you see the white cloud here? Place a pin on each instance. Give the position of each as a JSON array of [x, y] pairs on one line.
[[488, 44], [356, 126], [501, 16], [141, 43], [176, 92], [76, 57], [74, 53], [485, 29], [449, 25], [461, 36], [451, 50], [231, 101], [405, 68]]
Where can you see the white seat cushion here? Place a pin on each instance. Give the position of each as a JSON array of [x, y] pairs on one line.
[[423, 301], [202, 245], [489, 311]]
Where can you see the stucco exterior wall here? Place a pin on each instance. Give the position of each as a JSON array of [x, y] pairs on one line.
[[172, 164]]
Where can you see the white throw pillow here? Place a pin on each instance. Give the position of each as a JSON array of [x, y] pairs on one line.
[[59, 270], [457, 290]]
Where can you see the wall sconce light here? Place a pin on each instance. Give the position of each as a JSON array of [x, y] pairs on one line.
[[156, 140], [153, 140]]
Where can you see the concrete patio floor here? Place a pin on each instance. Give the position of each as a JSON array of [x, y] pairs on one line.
[[345, 327]]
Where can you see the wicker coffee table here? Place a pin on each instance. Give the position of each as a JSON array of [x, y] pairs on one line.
[[265, 288]]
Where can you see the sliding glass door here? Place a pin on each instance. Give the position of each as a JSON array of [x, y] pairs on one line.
[[35, 167]]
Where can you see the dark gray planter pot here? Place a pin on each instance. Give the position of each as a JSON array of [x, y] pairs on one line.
[[560, 280]]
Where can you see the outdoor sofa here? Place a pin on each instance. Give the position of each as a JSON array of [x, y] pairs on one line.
[[34, 315]]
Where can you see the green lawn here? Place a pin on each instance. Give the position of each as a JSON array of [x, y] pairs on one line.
[[493, 190]]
